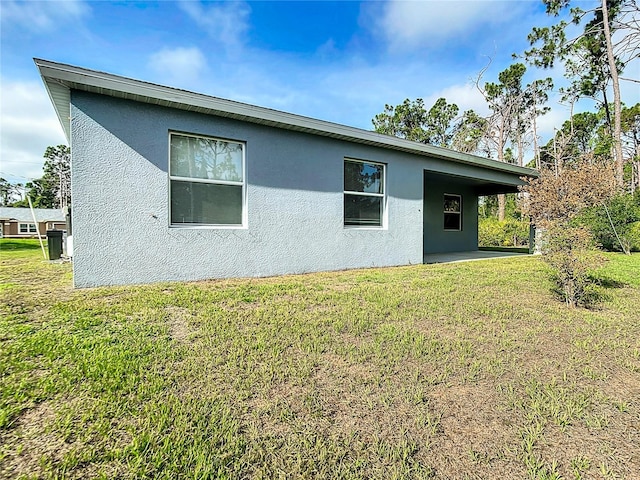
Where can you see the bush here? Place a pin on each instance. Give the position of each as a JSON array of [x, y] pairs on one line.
[[558, 201], [624, 210], [569, 251], [633, 236], [507, 233]]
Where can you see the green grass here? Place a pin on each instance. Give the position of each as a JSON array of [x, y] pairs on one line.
[[17, 245], [466, 370]]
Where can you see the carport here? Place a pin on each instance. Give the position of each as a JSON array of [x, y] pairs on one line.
[[450, 224]]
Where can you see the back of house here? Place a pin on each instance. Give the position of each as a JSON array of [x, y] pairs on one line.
[[174, 185]]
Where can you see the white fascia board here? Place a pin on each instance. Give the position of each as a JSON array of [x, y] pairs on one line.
[[56, 75]]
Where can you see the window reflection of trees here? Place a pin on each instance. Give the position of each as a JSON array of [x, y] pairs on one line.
[[363, 177], [451, 204], [206, 158]]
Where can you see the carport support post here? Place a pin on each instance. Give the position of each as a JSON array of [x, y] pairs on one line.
[[532, 237]]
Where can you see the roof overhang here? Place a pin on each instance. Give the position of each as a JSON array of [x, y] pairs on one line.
[[60, 79]]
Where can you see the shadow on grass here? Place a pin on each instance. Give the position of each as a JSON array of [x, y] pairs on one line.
[[607, 282], [595, 291], [19, 244]]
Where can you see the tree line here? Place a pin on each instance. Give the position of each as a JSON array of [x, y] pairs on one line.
[[593, 63], [588, 190]]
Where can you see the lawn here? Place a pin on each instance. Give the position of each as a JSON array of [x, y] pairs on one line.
[[467, 371]]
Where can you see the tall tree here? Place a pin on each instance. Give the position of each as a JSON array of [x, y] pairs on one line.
[[536, 97], [41, 192], [506, 102], [631, 143], [412, 121], [407, 120], [57, 174], [592, 59], [470, 134], [440, 123], [53, 190], [10, 193]]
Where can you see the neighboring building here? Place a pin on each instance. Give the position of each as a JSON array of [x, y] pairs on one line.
[[174, 185], [16, 222]]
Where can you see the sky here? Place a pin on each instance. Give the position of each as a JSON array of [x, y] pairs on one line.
[[339, 61]]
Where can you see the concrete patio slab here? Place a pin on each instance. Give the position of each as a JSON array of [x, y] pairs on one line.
[[468, 256]]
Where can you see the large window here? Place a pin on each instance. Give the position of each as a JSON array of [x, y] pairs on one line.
[[207, 181], [452, 212], [27, 228], [364, 192]]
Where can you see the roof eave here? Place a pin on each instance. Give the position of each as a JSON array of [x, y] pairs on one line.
[[60, 79]]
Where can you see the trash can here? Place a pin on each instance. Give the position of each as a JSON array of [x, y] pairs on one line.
[[54, 241]]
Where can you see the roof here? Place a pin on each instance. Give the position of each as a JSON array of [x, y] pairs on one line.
[[60, 79], [20, 214]]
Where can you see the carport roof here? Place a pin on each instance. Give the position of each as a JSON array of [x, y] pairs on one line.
[[60, 79]]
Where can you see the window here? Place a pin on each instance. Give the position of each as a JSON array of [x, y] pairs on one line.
[[27, 228], [363, 193], [452, 212], [207, 181]]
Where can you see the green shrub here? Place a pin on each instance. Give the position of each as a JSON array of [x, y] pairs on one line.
[[624, 212], [507, 233], [633, 236]]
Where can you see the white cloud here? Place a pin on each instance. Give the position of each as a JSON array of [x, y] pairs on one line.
[[179, 66], [28, 125], [42, 17], [466, 96], [227, 23], [410, 24], [552, 120]]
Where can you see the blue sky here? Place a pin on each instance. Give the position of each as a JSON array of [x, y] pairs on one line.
[[340, 61]]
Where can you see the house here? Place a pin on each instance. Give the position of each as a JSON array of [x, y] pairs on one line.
[[174, 185], [18, 222]]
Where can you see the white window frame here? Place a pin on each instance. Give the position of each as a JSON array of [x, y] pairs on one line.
[[459, 212], [383, 195], [28, 230], [243, 184]]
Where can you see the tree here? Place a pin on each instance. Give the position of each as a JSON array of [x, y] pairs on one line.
[[440, 123], [10, 193], [536, 97], [613, 222], [407, 120], [42, 194], [583, 134], [592, 59], [410, 120], [554, 201], [514, 110], [631, 144], [53, 189], [470, 133], [57, 175]]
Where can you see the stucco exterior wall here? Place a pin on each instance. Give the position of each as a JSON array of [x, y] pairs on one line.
[[294, 201], [294, 183]]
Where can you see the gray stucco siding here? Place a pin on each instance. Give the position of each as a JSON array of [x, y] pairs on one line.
[[294, 188]]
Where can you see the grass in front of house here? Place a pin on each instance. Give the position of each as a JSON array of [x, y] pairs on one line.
[[466, 370]]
